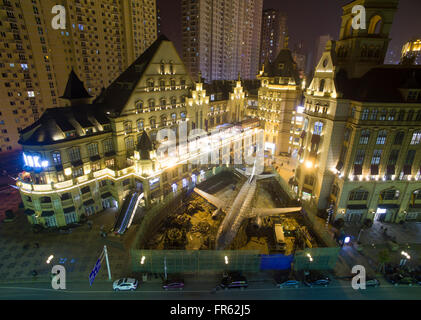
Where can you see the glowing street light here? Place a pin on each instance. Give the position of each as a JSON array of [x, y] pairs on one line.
[[142, 261], [226, 259], [310, 257], [49, 259]]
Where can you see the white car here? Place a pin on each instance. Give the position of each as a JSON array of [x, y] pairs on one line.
[[125, 284]]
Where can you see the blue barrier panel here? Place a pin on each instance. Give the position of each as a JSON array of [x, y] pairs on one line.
[[276, 262]]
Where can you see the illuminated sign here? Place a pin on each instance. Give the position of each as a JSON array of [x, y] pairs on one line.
[[34, 161]]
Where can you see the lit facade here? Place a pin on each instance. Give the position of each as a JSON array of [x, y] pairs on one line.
[[360, 147], [87, 157], [278, 98], [412, 49]]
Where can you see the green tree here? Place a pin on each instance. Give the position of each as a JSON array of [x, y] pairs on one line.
[[384, 257]]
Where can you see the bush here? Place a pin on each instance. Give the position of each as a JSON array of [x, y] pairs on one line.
[[37, 228], [367, 223], [10, 214], [339, 223]]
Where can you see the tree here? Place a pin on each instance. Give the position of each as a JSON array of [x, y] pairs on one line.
[[384, 257], [367, 223], [10, 215], [339, 223]]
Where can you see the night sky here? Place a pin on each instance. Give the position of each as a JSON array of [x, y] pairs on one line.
[[307, 19]]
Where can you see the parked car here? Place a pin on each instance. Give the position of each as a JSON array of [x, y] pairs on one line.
[[316, 278], [286, 280], [173, 284], [125, 284], [233, 280], [400, 279], [417, 278], [371, 282]]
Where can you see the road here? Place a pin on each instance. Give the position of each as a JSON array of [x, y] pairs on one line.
[[338, 290]]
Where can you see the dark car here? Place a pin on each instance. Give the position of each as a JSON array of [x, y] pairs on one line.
[[173, 284], [233, 280], [316, 279], [286, 280], [371, 282]]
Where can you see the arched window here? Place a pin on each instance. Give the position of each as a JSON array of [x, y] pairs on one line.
[[163, 102], [163, 120], [172, 67], [173, 101], [172, 84], [364, 51], [322, 85], [152, 122], [150, 83], [162, 83], [56, 158], [128, 126], [381, 137], [358, 195], [318, 128], [162, 67], [365, 136], [151, 103], [139, 105], [348, 28], [140, 125], [375, 26], [390, 194]]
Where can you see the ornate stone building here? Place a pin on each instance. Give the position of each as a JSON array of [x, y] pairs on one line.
[[278, 97], [89, 156], [360, 146]]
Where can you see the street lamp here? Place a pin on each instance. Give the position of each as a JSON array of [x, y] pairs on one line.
[[310, 258], [403, 260], [226, 260], [49, 259], [142, 261]]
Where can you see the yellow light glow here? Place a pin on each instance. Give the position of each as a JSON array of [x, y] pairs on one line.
[[309, 164], [68, 171]]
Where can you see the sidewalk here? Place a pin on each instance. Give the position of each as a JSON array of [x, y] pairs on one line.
[[77, 251], [409, 232]]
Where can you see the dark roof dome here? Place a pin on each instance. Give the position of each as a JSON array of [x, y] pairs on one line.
[[75, 88], [144, 146]]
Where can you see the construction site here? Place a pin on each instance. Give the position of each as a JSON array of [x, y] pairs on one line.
[[233, 211]]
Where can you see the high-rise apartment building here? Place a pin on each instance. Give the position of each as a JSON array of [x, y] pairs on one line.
[[320, 46], [274, 34], [100, 40], [221, 38]]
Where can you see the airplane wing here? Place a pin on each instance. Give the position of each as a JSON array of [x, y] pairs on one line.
[[212, 199], [264, 176], [241, 171], [273, 211]]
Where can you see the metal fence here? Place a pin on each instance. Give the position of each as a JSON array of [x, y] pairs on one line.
[[316, 259], [179, 261]]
